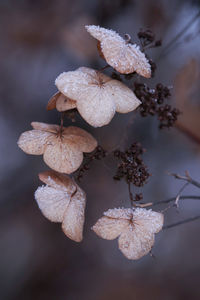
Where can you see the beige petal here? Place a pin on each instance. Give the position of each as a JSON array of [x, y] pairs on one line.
[[63, 103], [62, 157], [52, 101], [33, 141], [124, 98], [58, 181], [135, 243], [149, 220], [52, 202], [98, 109], [122, 56], [53, 128], [74, 216], [109, 228], [84, 141], [119, 213]]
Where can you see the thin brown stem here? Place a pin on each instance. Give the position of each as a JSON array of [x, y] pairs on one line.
[[186, 178]]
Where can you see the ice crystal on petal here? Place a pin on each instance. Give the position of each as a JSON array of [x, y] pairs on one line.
[[134, 227], [62, 149], [97, 96], [62, 200], [123, 56]]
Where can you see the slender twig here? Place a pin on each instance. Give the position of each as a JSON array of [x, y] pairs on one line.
[[181, 222], [186, 178], [186, 197], [179, 193]]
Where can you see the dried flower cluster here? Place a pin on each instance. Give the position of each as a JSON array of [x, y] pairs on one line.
[[96, 97], [131, 166], [153, 103], [135, 229], [62, 200]]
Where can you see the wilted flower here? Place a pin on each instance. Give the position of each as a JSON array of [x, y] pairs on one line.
[[62, 200], [62, 147], [119, 53], [97, 96], [135, 229]]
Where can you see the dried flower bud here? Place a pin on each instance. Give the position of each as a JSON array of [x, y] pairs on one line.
[[119, 53], [62, 148], [97, 96], [135, 229], [62, 200]]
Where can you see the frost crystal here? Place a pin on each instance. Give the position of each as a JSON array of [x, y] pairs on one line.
[[62, 148], [62, 200], [123, 56], [135, 229], [96, 95]]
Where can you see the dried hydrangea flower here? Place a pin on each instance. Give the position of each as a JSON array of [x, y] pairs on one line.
[[62, 148], [62, 200], [97, 96], [135, 229], [123, 56]]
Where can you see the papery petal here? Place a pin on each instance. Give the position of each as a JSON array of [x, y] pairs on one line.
[[151, 221], [33, 141], [119, 213], [52, 101], [58, 181], [135, 242], [109, 228], [83, 140], [124, 98], [98, 109], [62, 157], [52, 202], [74, 216], [63, 103], [53, 128]]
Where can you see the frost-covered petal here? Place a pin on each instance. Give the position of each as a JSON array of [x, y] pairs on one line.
[[53, 128], [148, 219], [135, 242], [62, 157], [52, 202], [124, 98], [122, 56], [33, 141], [110, 228], [119, 213], [84, 141], [58, 181], [74, 216]]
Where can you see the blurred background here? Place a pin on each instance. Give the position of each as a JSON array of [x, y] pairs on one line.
[[41, 39]]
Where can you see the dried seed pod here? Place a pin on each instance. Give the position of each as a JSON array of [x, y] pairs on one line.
[[119, 53], [97, 96], [62, 148], [135, 229], [62, 200]]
